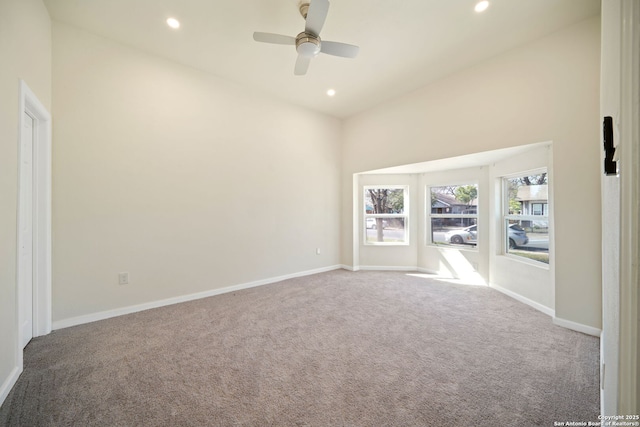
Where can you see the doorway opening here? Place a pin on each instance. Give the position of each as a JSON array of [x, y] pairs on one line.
[[33, 293]]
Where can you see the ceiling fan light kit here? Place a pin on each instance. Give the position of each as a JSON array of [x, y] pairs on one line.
[[308, 43]]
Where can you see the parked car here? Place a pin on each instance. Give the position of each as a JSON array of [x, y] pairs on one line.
[[469, 236], [517, 236], [463, 236], [371, 223]]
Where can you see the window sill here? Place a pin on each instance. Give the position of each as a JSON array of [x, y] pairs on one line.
[[387, 244], [523, 260], [465, 248]]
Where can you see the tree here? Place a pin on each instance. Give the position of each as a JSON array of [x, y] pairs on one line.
[[515, 207], [466, 194], [385, 201], [395, 201], [540, 179]]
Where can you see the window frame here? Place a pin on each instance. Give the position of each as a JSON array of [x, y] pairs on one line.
[[505, 216], [430, 216], [404, 214]]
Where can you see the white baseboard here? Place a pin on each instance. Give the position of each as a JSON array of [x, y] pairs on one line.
[[79, 320], [93, 317], [387, 268], [8, 384], [427, 271], [589, 330], [531, 303], [396, 268], [574, 326]]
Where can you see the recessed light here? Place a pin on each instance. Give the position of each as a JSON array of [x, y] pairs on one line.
[[331, 92], [481, 6], [173, 23]]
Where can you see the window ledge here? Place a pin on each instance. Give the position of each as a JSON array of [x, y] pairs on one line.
[[468, 248], [523, 260], [387, 244]]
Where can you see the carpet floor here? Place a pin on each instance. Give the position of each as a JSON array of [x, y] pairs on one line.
[[332, 349]]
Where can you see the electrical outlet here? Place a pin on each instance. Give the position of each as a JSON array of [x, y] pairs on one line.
[[317, 251], [123, 278]]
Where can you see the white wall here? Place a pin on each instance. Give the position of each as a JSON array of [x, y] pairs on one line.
[[25, 53], [547, 90], [186, 181]]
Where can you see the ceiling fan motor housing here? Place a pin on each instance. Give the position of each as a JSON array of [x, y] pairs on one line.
[[304, 9], [307, 45]]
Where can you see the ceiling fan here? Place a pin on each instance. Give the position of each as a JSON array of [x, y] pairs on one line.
[[308, 43]]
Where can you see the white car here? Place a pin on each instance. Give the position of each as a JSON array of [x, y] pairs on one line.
[[463, 236], [517, 236], [371, 223], [469, 236]]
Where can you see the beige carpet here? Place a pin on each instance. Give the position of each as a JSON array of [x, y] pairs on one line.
[[333, 349]]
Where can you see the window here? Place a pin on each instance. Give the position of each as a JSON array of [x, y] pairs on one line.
[[526, 222], [539, 208], [454, 214], [385, 215]]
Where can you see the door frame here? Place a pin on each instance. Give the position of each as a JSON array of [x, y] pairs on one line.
[[30, 104], [628, 158], [620, 89]]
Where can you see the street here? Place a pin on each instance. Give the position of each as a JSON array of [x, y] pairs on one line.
[[537, 242]]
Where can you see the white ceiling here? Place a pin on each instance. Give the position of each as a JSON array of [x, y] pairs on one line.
[[404, 44]]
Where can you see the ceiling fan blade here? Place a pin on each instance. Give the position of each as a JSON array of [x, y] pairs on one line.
[[339, 49], [316, 16], [302, 65], [273, 38]]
